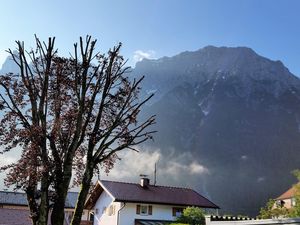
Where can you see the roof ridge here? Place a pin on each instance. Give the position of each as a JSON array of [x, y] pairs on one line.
[[187, 188], [113, 181], [123, 182], [23, 193], [12, 192]]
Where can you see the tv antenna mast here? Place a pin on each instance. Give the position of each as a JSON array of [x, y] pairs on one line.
[[155, 171]]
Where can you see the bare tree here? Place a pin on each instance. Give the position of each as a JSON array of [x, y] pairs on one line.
[[69, 116]]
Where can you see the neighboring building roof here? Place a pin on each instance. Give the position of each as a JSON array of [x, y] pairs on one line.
[[71, 200], [14, 217], [288, 194], [132, 192], [13, 198], [20, 199]]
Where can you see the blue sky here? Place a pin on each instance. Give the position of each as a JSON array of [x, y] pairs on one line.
[[156, 28]]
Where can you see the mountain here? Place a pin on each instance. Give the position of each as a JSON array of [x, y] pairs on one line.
[[230, 116], [236, 112], [9, 66]]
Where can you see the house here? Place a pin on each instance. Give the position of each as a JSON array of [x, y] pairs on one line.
[[119, 203], [287, 199], [14, 209]]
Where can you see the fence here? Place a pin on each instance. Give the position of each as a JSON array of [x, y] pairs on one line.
[[216, 220]]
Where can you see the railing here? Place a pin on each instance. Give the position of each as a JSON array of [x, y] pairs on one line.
[[213, 220]]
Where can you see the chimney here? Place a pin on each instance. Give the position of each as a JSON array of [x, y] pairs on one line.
[[145, 182]]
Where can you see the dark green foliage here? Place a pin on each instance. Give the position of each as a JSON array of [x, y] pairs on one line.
[[295, 212], [270, 211], [192, 216]]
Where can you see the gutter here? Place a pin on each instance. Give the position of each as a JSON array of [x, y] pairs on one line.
[[118, 217]]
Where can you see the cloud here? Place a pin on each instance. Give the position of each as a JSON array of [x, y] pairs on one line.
[[139, 55], [260, 179], [132, 164], [244, 157], [170, 169], [196, 168]]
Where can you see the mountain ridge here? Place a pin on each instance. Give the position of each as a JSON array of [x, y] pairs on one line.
[[237, 113]]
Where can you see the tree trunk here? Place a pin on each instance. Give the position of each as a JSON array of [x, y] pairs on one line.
[[58, 212], [61, 189], [44, 204], [30, 192], [84, 190]]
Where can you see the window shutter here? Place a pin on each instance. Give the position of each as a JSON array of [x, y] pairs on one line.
[[150, 210], [138, 209], [174, 211]]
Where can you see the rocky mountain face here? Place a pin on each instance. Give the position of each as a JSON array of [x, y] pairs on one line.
[[9, 66], [237, 113]]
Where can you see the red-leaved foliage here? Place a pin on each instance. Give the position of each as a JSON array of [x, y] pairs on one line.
[[67, 115]]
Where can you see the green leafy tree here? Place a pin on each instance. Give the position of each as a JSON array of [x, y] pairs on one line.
[[270, 211], [266, 211], [192, 216], [295, 211]]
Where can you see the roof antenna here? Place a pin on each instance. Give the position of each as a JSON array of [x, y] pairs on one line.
[[155, 173]]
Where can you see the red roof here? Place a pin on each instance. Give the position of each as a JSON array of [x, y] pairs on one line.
[[288, 194], [132, 192], [14, 217]]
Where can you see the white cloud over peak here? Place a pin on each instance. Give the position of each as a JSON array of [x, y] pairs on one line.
[[175, 167], [260, 179], [196, 168], [139, 55], [244, 157], [132, 164]]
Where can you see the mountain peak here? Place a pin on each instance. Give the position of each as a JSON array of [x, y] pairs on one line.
[[212, 63], [240, 49], [242, 61], [9, 66]]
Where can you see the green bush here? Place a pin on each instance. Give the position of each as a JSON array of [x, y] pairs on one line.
[[191, 216]]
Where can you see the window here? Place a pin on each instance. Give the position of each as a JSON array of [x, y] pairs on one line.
[[97, 211], [177, 211], [144, 210], [280, 203], [293, 202], [111, 210], [91, 217]]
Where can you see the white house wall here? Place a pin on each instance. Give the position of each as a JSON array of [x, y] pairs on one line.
[[101, 216], [159, 212]]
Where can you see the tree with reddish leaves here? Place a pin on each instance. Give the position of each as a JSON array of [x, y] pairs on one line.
[[69, 116]]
